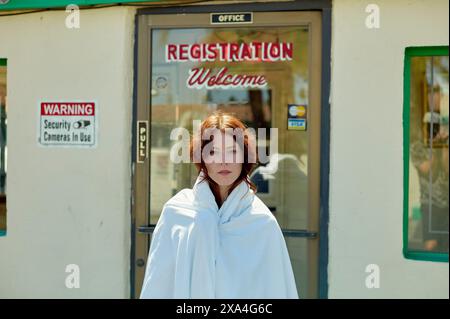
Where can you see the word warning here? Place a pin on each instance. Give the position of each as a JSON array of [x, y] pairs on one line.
[[68, 124]]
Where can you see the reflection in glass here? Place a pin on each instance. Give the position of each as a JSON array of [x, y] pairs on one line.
[[428, 185], [175, 104]]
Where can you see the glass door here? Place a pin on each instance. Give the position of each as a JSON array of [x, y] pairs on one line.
[[268, 74]]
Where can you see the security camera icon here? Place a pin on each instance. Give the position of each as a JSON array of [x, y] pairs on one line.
[[81, 124]]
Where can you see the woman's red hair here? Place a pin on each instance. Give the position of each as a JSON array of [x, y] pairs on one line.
[[221, 120]]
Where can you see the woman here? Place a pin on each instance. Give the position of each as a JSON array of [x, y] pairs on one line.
[[219, 240]]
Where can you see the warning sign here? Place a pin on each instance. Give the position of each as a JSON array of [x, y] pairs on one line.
[[68, 124]]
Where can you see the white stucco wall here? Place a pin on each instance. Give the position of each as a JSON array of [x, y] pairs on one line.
[[68, 206], [366, 181]]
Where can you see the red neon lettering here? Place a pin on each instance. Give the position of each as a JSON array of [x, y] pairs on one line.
[[288, 49], [171, 52], [183, 52]]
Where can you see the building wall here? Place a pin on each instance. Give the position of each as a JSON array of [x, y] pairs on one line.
[[366, 173], [68, 205]]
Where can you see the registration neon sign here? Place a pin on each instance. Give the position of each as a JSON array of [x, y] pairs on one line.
[[253, 52], [230, 52]]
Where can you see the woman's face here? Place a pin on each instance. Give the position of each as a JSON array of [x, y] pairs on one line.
[[223, 159]]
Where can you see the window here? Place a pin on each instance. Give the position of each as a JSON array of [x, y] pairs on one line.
[[426, 153], [3, 149]]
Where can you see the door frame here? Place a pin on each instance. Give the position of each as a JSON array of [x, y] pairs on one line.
[[324, 6]]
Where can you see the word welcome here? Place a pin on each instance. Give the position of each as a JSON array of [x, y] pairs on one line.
[[204, 78]]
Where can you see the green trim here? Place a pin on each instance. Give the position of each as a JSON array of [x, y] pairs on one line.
[[2, 233], [426, 51], [409, 53], [406, 116], [427, 256], [43, 4]]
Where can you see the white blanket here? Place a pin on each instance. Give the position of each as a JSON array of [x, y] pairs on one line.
[[200, 251]]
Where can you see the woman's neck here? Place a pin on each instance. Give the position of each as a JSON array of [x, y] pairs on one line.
[[223, 192]]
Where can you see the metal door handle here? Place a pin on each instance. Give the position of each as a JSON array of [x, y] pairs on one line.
[[299, 233], [146, 229]]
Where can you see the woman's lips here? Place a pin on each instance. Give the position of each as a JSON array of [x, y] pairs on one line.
[[224, 172]]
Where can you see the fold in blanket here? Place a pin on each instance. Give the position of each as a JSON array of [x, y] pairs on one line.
[[201, 251]]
